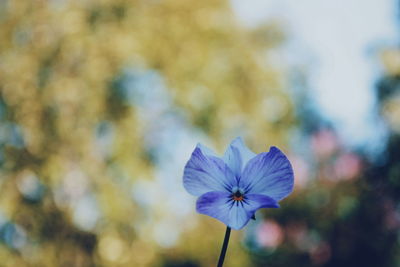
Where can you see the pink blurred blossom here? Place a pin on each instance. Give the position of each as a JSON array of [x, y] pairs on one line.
[[320, 253], [392, 220], [347, 166], [324, 143], [297, 233], [392, 216], [269, 234], [301, 171]]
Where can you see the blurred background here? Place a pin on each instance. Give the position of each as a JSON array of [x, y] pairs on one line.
[[102, 103]]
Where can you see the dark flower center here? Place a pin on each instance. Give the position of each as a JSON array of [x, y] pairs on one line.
[[237, 196]]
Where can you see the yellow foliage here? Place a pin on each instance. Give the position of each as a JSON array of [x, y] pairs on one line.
[[63, 65]]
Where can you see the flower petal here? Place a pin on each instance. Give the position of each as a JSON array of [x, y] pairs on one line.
[[206, 151], [253, 202], [207, 173], [237, 155], [220, 205], [269, 174], [233, 159], [234, 214]]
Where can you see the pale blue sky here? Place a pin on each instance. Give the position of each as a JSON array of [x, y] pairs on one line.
[[337, 41]]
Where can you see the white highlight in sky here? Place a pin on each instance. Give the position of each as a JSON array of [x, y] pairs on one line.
[[337, 36]]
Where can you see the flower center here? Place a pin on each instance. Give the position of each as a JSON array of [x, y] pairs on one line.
[[237, 196]]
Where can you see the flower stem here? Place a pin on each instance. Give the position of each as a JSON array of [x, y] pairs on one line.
[[224, 247]]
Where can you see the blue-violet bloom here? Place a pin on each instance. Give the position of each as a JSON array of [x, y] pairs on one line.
[[232, 188]]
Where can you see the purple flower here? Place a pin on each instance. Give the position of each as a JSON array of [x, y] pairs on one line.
[[232, 188]]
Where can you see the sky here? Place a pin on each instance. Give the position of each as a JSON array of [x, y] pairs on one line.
[[338, 41]]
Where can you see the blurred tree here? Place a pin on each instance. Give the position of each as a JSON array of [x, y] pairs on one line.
[[348, 213], [85, 87]]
